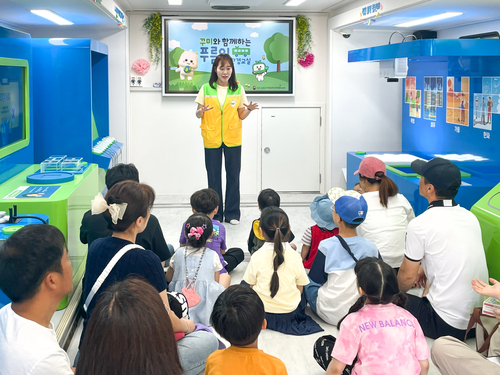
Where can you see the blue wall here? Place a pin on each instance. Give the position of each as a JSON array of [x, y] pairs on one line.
[[71, 86], [17, 45], [423, 138]]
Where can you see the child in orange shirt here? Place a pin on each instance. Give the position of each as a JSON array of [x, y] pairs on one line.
[[239, 316]]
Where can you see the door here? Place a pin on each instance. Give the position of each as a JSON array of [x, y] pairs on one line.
[[291, 149]]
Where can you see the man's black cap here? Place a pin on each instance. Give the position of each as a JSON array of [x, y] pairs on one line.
[[441, 173]]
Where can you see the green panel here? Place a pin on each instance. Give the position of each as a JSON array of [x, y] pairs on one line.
[[65, 209], [26, 110], [95, 133], [394, 169], [487, 211]]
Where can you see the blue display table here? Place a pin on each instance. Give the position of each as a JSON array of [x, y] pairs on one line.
[[472, 189]]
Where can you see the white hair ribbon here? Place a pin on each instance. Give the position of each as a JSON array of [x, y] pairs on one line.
[[99, 205]]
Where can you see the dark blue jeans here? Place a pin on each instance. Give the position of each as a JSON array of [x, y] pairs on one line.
[[232, 162]]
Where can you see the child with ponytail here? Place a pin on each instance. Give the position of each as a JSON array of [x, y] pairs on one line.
[[276, 273], [194, 270], [378, 334]]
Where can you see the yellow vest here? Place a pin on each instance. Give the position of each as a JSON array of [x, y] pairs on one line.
[[221, 125]]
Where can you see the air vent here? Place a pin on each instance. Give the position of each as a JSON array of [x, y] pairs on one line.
[[234, 4], [230, 7]]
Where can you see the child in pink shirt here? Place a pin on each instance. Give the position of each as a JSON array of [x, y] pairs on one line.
[[386, 338]]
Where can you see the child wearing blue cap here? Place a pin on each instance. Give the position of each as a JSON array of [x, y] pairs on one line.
[[333, 290], [325, 228]]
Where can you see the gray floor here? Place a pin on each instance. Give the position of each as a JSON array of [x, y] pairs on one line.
[[294, 351]]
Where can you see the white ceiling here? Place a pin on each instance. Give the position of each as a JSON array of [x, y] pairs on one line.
[[82, 13], [255, 5], [85, 14]]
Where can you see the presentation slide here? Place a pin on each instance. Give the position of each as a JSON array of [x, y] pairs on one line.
[[262, 52]]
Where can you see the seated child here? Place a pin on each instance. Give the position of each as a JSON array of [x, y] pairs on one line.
[[325, 228], [194, 269], [277, 275], [267, 198], [378, 336], [207, 201], [239, 316], [333, 283]]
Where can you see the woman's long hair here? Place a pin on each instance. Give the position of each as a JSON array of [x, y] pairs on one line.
[[129, 332], [275, 225], [223, 57], [380, 284]]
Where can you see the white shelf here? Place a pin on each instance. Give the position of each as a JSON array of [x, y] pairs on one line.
[[138, 88]]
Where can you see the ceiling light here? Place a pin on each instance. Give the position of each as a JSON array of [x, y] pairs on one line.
[[51, 16], [293, 3], [421, 21], [174, 2]]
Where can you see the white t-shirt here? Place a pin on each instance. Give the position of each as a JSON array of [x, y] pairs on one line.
[[27, 348], [221, 95], [386, 226], [448, 242]]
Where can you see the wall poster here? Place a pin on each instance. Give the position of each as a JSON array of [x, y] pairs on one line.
[[457, 100], [487, 103], [433, 96]]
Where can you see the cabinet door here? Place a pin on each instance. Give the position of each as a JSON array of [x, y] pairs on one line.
[[291, 149]]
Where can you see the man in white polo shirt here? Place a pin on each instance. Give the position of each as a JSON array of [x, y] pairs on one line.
[[35, 273], [444, 245]]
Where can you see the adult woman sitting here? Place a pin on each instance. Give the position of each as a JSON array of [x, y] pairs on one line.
[[388, 211], [129, 332], [126, 207]]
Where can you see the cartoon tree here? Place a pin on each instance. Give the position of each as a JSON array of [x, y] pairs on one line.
[[276, 49], [174, 56]]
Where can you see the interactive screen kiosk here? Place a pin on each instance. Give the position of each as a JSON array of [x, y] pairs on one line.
[[66, 82], [443, 113]]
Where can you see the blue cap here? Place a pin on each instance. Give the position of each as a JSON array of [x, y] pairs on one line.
[[351, 210], [321, 212]]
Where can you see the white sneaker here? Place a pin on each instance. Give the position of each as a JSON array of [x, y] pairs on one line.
[[234, 222]]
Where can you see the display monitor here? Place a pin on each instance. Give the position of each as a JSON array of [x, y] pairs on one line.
[[261, 49], [14, 105]]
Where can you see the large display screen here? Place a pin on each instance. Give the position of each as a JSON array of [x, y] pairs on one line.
[[262, 52], [14, 106]]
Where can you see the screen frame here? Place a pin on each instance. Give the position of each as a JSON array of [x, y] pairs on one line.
[[292, 62], [16, 146]]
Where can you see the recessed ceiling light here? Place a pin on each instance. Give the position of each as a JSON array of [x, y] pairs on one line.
[[421, 21], [174, 2], [51, 16], [293, 3]]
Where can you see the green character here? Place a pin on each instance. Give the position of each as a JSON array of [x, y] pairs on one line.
[[260, 70]]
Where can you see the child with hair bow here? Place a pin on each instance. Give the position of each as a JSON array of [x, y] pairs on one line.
[[194, 270]]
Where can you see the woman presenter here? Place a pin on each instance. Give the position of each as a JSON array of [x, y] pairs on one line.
[[222, 105]]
